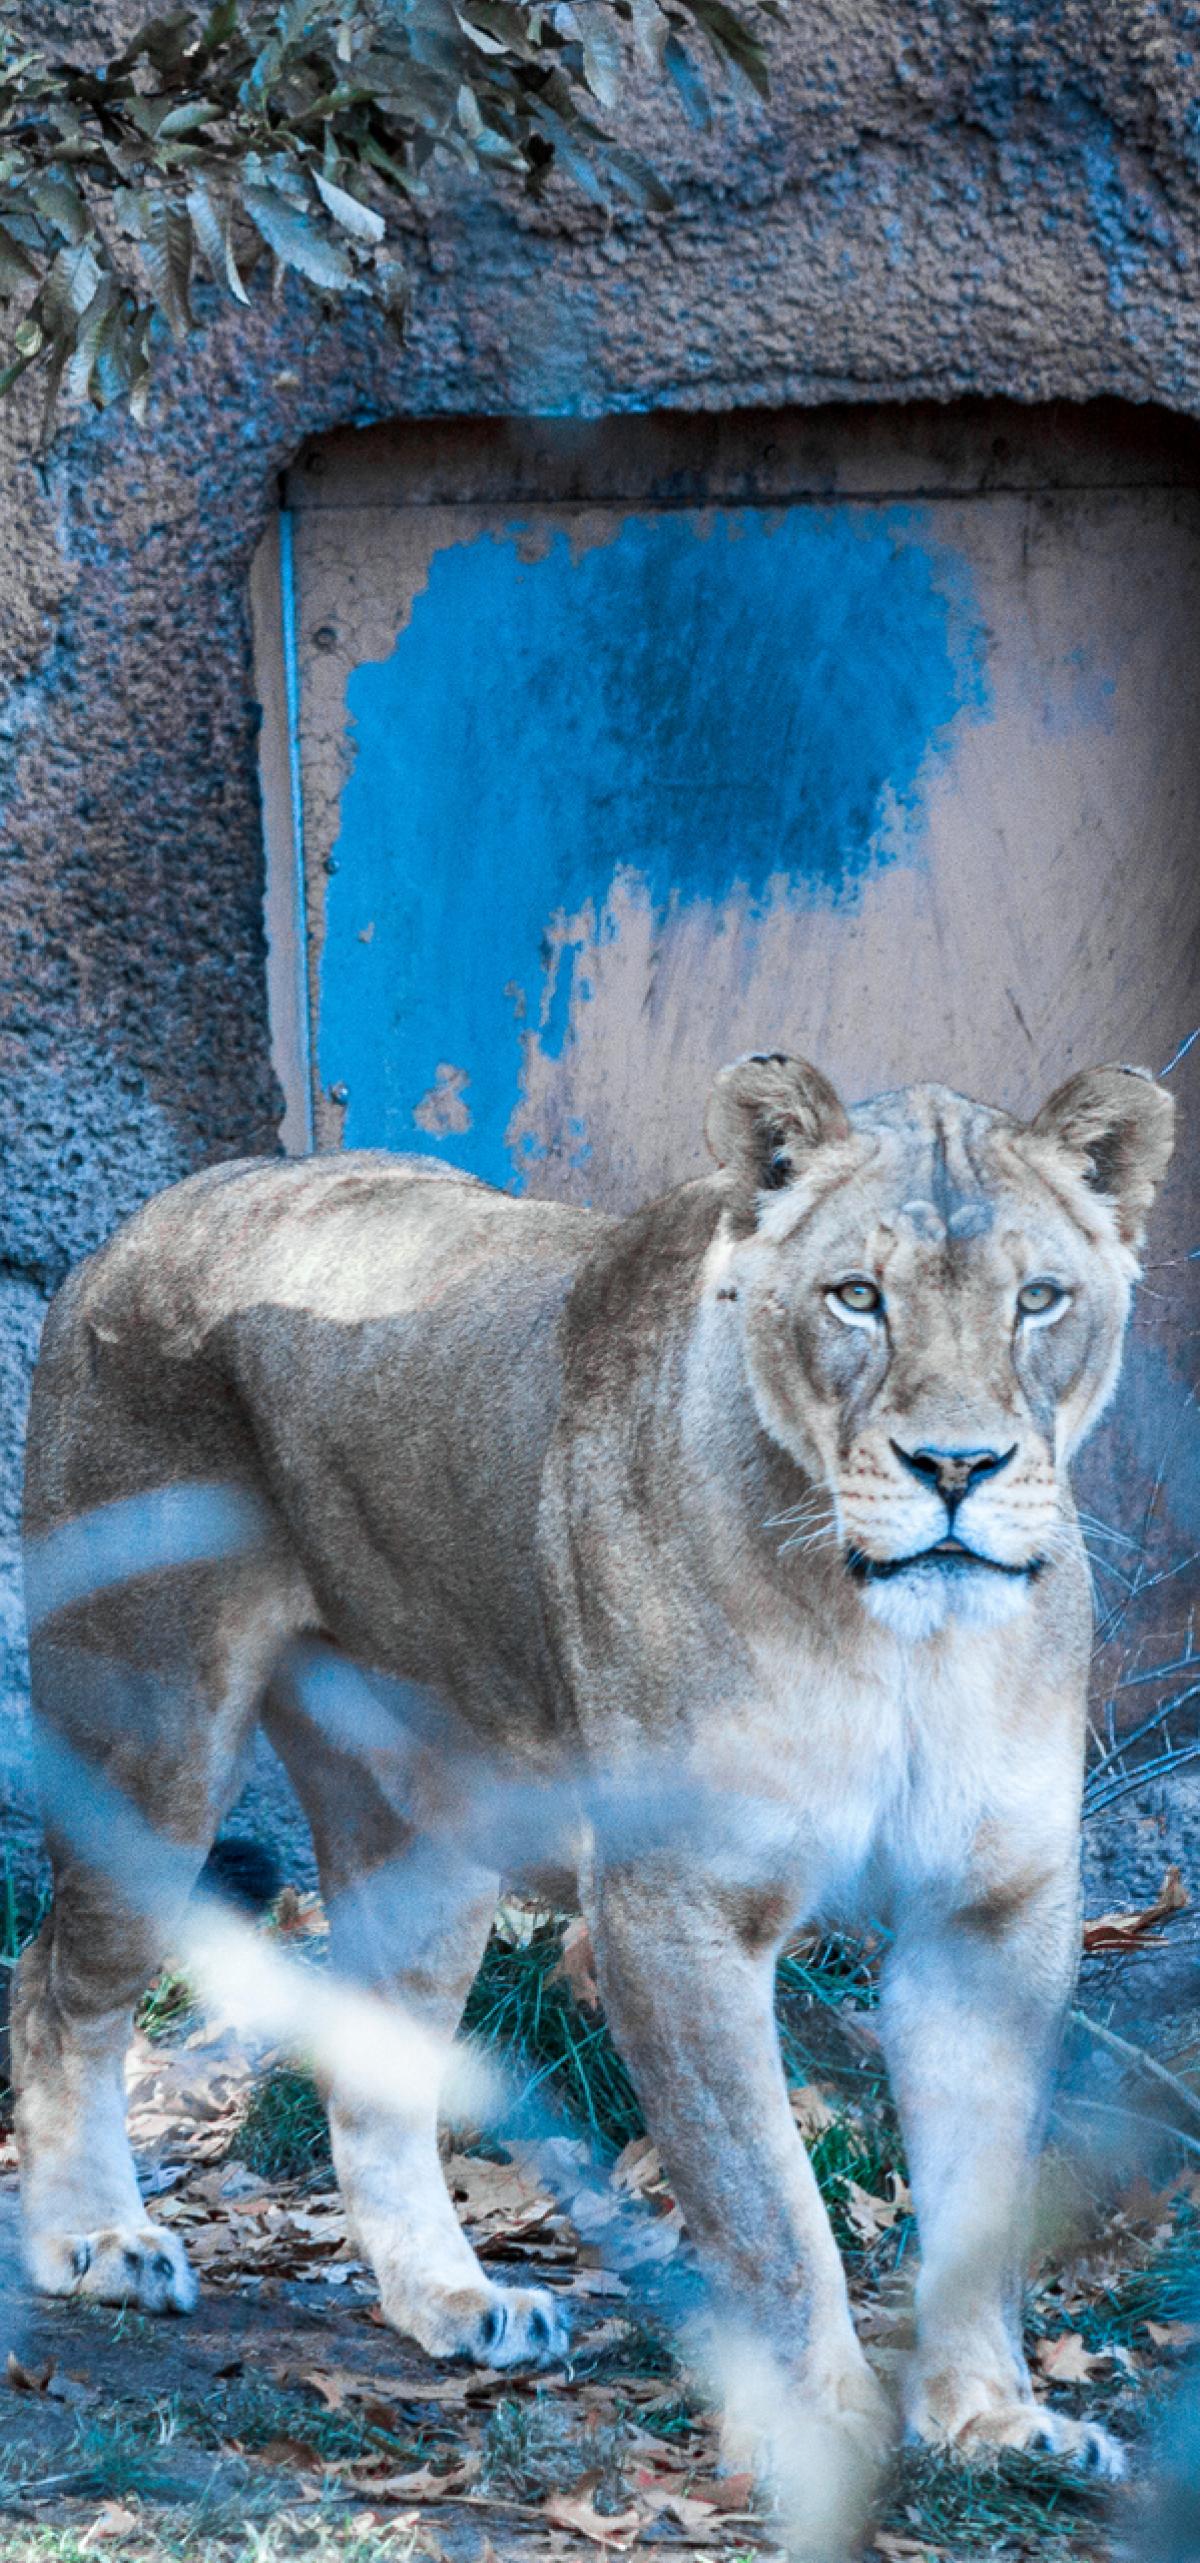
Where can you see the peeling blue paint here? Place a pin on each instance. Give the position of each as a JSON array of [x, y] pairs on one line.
[[706, 701]]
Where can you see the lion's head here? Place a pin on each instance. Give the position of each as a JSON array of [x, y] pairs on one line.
[[932, 1299]]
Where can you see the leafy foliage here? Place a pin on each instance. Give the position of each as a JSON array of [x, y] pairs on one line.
[[300, 136]]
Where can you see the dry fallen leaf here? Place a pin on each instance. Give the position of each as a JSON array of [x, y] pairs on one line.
[[638, 2166], [872, 2216], [1108, 1931], [576, 2511], [727, 2492], [700, 2518], [811, 2110], [577, 1965], [1066, 2360], [299, 1916], [598, 2282], [423, 2484], [1173, 2335], [111, 2520], [335, 2385], [28, 2380]]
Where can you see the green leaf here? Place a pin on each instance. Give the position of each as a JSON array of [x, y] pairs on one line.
[[16, 267], [70, 284], [163, 40], [389, 167], [60, 342], [59, 202], [167, 242], [638, 180], [296, 241], [87, 338], [12, 373], [693, 96], [220, 25], [211, 223], [112, 373], [189, 118], [139, 398], [651, 28], [601, 50], [360, 220], [312, 115], [480, 37], [732, 41], [569, 152]]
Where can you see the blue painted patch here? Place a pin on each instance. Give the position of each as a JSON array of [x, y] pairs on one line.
[[707, 701]]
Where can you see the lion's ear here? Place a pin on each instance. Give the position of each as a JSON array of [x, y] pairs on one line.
[[1120, 1125], [765, 1116]]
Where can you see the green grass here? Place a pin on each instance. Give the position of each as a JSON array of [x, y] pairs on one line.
[[168, 2008], [24, 1904], [285, 2132], [1165, 2290], [533, 2447], [119, 2452], [1016, 2502], [224, 2534], [560, 2053], [252, 2414], [563, 2057]]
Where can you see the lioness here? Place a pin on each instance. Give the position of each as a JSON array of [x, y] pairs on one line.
[[765, 1485]]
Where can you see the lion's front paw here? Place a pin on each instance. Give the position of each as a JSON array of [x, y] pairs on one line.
[[795, 2432], [1083, 2443], [967, 2419], [494, 2326], [138, 2265]]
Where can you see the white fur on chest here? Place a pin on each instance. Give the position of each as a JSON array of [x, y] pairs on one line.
[[884, 1784]]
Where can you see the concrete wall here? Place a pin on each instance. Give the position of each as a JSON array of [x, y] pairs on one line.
[[960, 197]]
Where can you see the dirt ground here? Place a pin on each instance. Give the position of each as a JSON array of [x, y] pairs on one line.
[[282, 2418]]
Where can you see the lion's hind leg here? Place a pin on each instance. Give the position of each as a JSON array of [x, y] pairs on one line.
[[85, 2229], [142, 1707]]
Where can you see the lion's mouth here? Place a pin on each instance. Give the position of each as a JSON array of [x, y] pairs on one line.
[[946, 1557]]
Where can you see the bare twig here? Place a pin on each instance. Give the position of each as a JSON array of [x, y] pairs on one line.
[[1139, 2058]]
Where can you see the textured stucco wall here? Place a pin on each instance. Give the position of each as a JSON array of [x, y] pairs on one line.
[[943, 198]]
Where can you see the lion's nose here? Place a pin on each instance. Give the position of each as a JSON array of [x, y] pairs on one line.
[[954, 1473]]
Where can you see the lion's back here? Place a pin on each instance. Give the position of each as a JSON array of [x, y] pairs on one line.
[[268, 1287]]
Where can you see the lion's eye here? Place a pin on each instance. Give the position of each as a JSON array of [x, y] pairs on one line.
[[860, 1297], [1037, 1298]]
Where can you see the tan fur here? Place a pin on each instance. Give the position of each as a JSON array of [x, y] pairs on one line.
[[632, 1500]]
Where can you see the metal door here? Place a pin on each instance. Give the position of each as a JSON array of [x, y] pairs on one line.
[[607, 751]]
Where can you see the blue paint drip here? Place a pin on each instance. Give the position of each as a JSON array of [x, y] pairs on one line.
[[708, 701]]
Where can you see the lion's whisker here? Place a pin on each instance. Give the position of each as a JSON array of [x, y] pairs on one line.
[[809, 1540], [1105, 1530]]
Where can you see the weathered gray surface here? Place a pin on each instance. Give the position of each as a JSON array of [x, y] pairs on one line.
[[941, 200]]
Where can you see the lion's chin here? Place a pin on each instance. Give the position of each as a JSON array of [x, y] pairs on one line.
[[918, 1600]]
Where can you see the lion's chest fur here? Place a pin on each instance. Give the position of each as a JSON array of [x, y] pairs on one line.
[[921, 1772]]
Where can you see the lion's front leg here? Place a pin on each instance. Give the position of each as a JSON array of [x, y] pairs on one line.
[[687, 1972], [972, 2014]]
